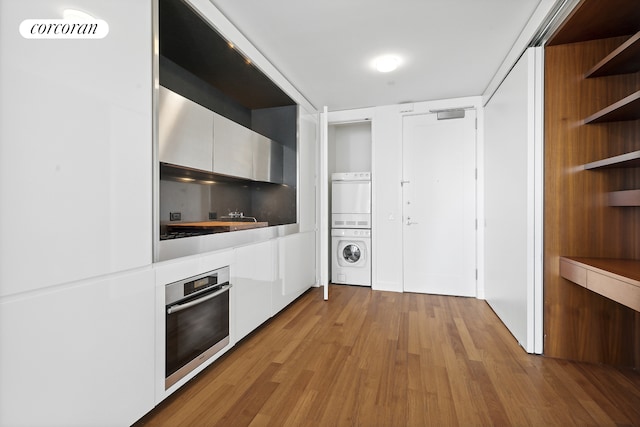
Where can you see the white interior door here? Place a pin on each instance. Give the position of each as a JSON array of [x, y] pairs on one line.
[[323, 204], [439, 204]]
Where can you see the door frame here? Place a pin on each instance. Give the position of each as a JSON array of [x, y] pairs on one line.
[[324, 206], [477, 199], [466, 103]]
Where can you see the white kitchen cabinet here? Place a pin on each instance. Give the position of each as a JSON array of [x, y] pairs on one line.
[[75, 146], [79, 355], [297, 273], [253, 275], [233, 147]]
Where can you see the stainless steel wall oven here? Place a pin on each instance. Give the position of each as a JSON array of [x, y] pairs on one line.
[[197, 322]]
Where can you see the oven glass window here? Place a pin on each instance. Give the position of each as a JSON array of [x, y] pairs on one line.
[[192, 331]]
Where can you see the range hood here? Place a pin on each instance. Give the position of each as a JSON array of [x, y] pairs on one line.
[[193, 137]]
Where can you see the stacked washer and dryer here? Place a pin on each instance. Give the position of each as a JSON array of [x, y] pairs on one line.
[[351, 228]]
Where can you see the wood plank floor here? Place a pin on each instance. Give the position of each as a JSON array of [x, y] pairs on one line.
[[371, 358]]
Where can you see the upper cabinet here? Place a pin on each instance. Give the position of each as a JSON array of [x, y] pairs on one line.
[[241, 152], [233, 148], [185, 132], [192, 136]]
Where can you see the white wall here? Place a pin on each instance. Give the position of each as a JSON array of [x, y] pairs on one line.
[[511, 182], [386, 235], [350, 147]]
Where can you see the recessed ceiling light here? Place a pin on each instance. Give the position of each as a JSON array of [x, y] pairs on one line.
[[386, 63]]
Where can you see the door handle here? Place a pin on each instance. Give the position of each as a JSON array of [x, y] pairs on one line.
[[409, 222], [179, 307], [402, 183]]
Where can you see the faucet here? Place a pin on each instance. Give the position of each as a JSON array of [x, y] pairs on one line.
[[236, 214]]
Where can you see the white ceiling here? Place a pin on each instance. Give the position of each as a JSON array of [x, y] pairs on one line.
[[449, 48]]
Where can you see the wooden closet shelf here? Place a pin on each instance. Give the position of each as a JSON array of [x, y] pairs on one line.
[[627, 160], [624, 198], [625, 59], [616, 279], [625, 109]]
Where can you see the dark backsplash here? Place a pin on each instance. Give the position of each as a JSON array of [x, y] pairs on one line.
[[276, 203], [273, 203]]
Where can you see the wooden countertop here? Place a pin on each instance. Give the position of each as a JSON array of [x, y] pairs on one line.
[[226, 225]]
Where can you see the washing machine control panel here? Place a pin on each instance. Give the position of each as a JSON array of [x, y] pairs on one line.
[[351, 176], [350, 232]]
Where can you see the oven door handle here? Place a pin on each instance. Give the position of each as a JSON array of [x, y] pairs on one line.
[[179, 307]]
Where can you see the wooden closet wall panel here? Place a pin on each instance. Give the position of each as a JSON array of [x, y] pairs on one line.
[[580, 324]]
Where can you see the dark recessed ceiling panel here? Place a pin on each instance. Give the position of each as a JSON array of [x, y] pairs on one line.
[[186, 39]]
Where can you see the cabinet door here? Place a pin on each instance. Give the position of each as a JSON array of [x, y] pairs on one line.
[[82, 127], [297, 272], [267, 159], [81, 355], [185, 132], [233, 147], [253, 277]]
